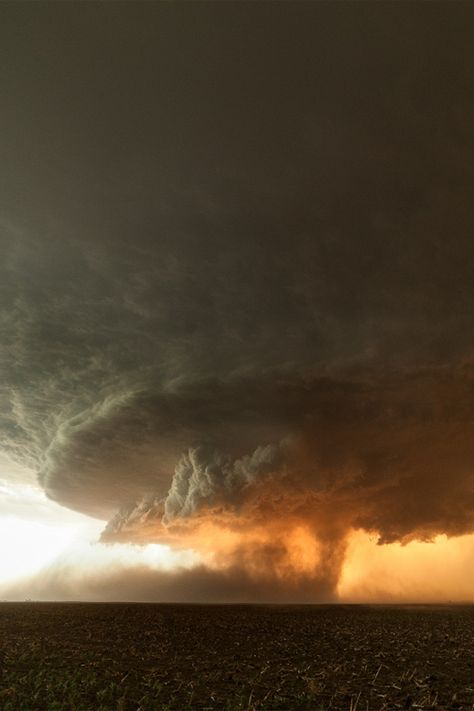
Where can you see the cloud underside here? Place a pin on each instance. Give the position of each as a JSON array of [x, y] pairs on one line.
[[243, 449], [276, 492], [236, 285]]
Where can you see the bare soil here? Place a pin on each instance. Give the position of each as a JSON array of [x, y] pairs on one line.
[[99, 657]]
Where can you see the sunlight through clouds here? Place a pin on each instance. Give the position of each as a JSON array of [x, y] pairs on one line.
[[37, 535]]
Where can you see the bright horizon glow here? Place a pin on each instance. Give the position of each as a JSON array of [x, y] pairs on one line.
[[34, 530], [38, 535], [28, 546]]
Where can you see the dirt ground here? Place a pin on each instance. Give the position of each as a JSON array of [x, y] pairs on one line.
[[99, 657]]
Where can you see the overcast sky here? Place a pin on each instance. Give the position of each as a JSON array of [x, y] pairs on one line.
[[236, 279]]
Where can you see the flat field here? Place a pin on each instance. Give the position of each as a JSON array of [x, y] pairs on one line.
[[99, 657]]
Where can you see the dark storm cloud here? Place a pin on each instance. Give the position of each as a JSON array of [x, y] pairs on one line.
[[224, 227], [392, 455]]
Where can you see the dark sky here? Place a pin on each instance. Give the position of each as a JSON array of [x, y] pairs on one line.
[[237, 255]]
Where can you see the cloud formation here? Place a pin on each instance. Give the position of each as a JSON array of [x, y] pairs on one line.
[[237, 285], [212, 477]]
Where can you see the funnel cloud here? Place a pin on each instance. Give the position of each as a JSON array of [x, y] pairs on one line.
[[236, 272]]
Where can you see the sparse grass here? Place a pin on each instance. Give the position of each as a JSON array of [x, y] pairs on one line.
[[79, 657]]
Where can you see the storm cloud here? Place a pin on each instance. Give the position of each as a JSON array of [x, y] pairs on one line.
[[236, 274]]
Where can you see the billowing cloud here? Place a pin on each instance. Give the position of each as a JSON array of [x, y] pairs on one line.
[[393, 458], [213, 477], [236, 303]]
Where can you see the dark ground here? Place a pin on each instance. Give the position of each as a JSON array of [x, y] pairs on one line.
[[125, 656]]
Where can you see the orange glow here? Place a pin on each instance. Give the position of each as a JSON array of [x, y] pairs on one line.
[[283, 549], [288, 550], [298, 538], [440, 571]]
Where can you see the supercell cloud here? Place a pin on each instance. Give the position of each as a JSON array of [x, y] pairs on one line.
[[236, 278]]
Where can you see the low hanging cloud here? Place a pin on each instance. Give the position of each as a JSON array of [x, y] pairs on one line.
[[393, 458], [244, 329], [264, 471]]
